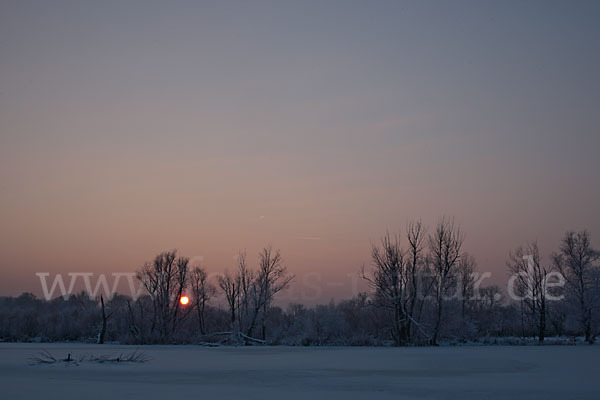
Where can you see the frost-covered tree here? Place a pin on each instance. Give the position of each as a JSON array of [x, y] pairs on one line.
[[415, 265], [165, 279], [202, 293], [445, 246], [271, 278], [250, 293], [576, 262], [388, 279], [230, 286], [400, 287], [529, 278], [466, 281]]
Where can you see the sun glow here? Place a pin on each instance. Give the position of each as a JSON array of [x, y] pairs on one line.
[[184, 300]]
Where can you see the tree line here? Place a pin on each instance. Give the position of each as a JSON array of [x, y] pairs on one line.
[[423, 289]]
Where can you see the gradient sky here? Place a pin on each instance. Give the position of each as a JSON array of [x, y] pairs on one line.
[[128, 128]]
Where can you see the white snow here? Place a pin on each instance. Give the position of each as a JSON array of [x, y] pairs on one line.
[[192, 372]]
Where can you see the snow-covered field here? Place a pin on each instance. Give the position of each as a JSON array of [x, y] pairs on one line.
[[192, 372]]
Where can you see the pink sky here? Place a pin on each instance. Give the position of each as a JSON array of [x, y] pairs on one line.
[[126, 130]]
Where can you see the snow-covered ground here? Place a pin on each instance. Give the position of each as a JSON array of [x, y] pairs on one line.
[[192, 372]]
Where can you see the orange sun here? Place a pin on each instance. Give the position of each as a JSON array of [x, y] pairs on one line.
[[184, 300]]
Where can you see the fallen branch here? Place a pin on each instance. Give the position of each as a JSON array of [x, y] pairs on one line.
[[232, 335], [44, 357]]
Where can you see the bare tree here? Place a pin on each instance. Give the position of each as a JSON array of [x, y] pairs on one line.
[[415, 260], [230, 285], [202, 292], [166, 279], [247, 313], [272, 277], [530, 283], [576, 263], [250, 293], [388, 279], [466, 281], [445, 249], [105, 318]]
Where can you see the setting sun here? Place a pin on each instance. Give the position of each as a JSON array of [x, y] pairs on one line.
[[184, 300]]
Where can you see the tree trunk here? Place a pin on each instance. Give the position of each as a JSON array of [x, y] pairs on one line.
[[588, 327], [104, 323], [434, 340], [542, 325]]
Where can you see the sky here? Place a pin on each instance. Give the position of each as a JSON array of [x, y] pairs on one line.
[[132, 127]]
